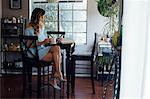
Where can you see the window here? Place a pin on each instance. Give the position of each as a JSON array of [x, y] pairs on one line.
[[66, 15]]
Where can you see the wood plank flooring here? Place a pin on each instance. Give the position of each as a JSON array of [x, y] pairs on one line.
[[11, 87]]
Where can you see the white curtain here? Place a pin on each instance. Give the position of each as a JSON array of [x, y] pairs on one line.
[[135, 50], [146, 83]]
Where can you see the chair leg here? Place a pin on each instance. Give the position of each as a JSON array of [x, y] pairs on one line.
[[48, 82], [102, 73], [24, 82], [62, 67], [30, 80], [68, 75], [43, 81], [54, 93], [73, 76], [54, 90], [92, 78], [39, 83]]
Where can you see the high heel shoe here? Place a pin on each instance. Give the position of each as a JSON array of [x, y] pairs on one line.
[[55, 85], [60, 77]]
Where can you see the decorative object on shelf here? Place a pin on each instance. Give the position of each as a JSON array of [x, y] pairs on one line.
[[5, 48], [11, 47], [13, 19], [15, 4], [14, 47], [18, 63], [9, 65]]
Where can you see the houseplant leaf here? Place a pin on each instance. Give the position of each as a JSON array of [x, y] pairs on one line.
[[107, 8]]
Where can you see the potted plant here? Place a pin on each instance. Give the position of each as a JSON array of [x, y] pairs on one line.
[[109, 9]]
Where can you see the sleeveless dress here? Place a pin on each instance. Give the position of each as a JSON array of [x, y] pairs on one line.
[[42, 50]]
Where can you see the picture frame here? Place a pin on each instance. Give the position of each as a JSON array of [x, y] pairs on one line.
[[15, 4]]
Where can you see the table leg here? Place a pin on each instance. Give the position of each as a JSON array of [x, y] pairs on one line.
[[72, 75], [68, 69]]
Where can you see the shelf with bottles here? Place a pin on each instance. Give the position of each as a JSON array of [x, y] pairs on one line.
[[12, 65], [11, 47], [13, 20], [11, 28]]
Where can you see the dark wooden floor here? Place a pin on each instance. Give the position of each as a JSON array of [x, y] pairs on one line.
[[11, 87]]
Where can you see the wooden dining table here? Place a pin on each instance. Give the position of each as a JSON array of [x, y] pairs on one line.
[[69, 46]]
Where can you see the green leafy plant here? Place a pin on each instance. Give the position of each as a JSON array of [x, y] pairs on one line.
[[109, 9]]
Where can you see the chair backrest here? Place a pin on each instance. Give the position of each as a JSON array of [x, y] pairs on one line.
[[28, 45], [94, 45], [56, 34]]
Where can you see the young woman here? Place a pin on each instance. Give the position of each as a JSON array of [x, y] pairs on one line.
[[51, 53]]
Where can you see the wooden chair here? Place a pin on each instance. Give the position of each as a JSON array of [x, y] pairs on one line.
[[56, 34], [31, 60], [84, 57]]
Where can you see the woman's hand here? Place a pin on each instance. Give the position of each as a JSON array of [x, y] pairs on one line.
[[47, 40], [50, 39]]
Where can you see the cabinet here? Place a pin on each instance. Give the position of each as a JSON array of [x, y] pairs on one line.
[[10, 46], [104, 60]]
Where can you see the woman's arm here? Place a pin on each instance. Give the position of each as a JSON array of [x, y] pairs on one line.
[[47, 40]]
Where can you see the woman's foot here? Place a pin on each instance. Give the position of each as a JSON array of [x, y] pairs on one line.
[[54, 84], [59, 76]]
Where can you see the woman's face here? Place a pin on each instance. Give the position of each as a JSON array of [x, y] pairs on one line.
[[42, 18]]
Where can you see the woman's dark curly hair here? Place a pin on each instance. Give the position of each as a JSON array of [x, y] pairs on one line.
[[36, 13]]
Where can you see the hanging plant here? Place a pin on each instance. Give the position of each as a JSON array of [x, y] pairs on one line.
[[107, 8]]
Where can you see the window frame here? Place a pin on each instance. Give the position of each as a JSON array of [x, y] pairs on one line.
[[72, 33]]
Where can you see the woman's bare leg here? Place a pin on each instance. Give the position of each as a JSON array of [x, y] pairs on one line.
[[55, 56], [48, 57], [57, 60]]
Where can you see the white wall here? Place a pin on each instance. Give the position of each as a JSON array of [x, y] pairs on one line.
[[95, 23], [134, 49]]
